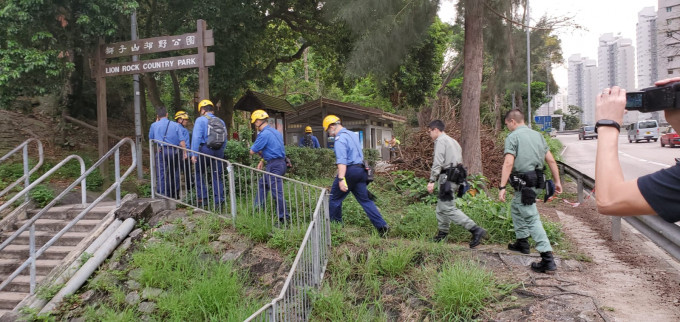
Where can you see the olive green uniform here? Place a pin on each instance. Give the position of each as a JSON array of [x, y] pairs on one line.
[[447, 152], [529, 148]]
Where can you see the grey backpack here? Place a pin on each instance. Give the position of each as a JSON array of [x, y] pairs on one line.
[[217, 133]]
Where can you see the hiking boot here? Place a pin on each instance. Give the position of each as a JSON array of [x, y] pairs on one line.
[[521, 245], [477, 234], [546, 265], [441, 235], [382, 231]]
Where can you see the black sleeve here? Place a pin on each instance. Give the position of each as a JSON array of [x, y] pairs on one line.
[[661, 189]]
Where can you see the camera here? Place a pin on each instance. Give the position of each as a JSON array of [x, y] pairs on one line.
[[654, 99]]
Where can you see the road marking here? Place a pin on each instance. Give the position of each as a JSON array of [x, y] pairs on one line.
[[565, 149], [643, 160]]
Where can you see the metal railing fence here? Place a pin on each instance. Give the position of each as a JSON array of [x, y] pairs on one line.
[[258, 202], [30, 224], [27, 173], [662, 233]]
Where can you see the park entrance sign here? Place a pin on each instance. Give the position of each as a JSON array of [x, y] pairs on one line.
[[201, 40]]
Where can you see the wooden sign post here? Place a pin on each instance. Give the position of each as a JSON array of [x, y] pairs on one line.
[[201, 39]]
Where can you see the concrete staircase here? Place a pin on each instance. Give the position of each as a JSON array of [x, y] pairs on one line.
[[45, 228]]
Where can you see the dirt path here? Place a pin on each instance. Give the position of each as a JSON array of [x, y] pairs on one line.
[[633, 280]]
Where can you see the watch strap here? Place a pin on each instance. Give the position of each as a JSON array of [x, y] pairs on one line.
[[608, 123]]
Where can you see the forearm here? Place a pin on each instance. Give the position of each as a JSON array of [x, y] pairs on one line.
[[552, 164], [608, 172], [342, 169], [505, 173]]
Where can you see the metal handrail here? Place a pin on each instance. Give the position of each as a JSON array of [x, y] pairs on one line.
[[318, 267], [27, 173], [42, 178], [114, 186]]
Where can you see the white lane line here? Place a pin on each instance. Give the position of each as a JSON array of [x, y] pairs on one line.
[[643, 160], [659, 164], [565, 149]]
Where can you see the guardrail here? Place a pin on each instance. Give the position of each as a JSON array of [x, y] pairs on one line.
[[254, 199], [30, 224], [27, 173], [661, 232]]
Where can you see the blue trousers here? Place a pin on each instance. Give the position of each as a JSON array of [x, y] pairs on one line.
[[167, 172], [274, 185], [356, 180], [205, 165]]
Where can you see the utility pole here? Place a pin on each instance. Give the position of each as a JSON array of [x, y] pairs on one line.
[[138, 113], [528, 22]]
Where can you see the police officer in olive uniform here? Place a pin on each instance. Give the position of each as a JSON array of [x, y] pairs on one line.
[[525, 151], [447, 155], [352, 176]]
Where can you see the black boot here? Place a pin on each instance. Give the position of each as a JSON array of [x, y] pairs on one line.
[[477, 234], [521, 245], [546, 265], [440, 236], [382, 231]]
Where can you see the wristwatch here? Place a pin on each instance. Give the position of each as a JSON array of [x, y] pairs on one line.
[[607, 123], [501, 188]]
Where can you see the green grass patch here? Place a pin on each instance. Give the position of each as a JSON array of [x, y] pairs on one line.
[[461, 291]]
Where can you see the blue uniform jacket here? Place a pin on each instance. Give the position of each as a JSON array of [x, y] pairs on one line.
[[270, 142], [348, 148]]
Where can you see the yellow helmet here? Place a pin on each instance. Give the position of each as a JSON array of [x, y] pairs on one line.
[[258, 115], [181, 115], [204, 103], [308, 129], [328, 120]]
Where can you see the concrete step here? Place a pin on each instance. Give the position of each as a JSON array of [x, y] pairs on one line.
[[55, 225], [69, 212], [21, 283], [8, 300], [42, 266], [21, 252], [42, 237]]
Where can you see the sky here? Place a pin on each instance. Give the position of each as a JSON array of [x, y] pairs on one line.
[[596, 16]]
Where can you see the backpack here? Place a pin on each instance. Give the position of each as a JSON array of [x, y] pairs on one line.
[[307, 142], [217, 133]]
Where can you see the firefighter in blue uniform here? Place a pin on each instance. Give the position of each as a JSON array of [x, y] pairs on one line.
[[351, 176], [167, 157], [309, 140], [182, 119], [203, 163], [269, 144]]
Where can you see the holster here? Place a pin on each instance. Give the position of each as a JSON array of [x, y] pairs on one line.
[[445, 189], [523, 183]]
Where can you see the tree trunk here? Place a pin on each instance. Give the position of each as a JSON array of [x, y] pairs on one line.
[[142, 108], [497, 112], [152, 90], [225, 111], [472, 86], [176, 94]]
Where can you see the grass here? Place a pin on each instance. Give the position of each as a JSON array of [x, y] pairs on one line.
[[461, 291]]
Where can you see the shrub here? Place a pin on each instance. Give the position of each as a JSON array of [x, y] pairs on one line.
[[311, 163], [238, 151], [461, 290], [41, 195]]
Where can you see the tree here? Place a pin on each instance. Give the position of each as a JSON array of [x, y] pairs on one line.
[[472, 86], [44, 45]]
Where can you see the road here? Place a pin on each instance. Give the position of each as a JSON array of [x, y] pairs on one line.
[[637, 159]]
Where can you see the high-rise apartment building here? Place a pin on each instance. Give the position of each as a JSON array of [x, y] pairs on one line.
[[647, 56], [668, 42], [616, 66], [583, 86]]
